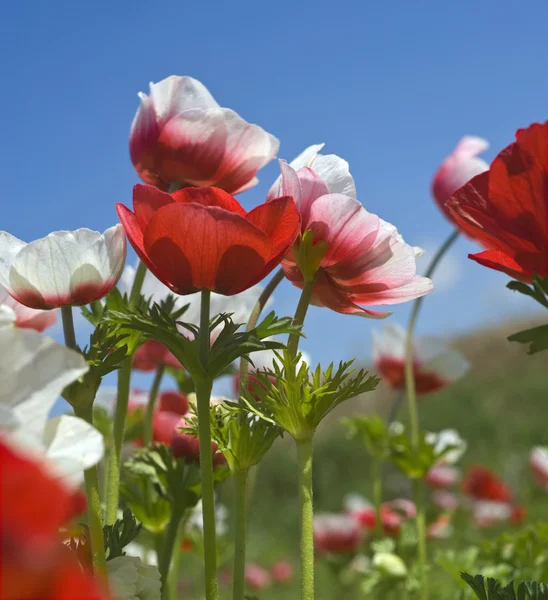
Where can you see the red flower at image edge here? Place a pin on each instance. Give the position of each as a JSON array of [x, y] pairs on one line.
[[34, 563], [482, 484], [505, 209], [202, 239]]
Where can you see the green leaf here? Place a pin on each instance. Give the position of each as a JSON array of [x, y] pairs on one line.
[[537, 338], [119, 535]]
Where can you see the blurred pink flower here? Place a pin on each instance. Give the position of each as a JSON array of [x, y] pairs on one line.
[[366, 261], [181, 135], [440, 529], [442, 476], [445, 500], [150, 355], [457, 169], [25, 317], [435, 365], [538, 461], [257, 578], [337, 533], [282, 571]]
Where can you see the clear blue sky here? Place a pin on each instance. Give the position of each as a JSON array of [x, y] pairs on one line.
[[391, 87]]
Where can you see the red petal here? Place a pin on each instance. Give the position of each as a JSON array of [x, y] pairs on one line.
[[209, 196], [193, 247], [146, 201], [281, 222], [499, 261], [133, 232]]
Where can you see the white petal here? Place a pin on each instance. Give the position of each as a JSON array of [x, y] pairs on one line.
[[335, 171], [305, 159], [390, 342], [448, 364], [33, 372], [175, 94], [72, 445], [9, 248]]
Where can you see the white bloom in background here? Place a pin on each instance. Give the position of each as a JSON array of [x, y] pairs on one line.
[[195, 519], [130, 579], [448, 438], [33, 372], [538, 460], [147, 556], [389, 565], [25, 317], [435, 365], [487, 512], [63, 268]]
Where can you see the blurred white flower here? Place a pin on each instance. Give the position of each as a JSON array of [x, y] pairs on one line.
[[130, 579], [33, 372], [448, 438], [389, 565]]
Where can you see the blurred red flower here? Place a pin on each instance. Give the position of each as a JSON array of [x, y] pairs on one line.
[[33, 560], [151, 355], [281, 571], [202, 239], [505, 209], [337, 533], [480, 483]]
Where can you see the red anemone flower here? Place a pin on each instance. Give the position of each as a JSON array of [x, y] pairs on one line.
[[482, 484], [150, 355], [33, 560], [202, 239], [505, 209]]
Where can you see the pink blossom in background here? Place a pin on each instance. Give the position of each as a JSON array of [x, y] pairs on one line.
[[457, 169], [538, 461], [443, 476], [181, 135], [282, 571], [335, 533], [435, 365], [257, 578]]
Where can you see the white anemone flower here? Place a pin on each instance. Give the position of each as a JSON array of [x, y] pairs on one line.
[[33, 372], [64, 268]]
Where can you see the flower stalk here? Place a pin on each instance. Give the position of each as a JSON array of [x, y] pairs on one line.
[[203, 396], [239, 482], [95, 516], [152, 397], [304, 454]]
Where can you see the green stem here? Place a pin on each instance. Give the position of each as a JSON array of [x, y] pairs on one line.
[[413, 410], [138, 280], [153, 394], [304, 454], [418, 491], [118, 430], [300, 314], [239, 482], [68, 327], [120, 414], [170, 539], [254, 317], [95, 516], [203, 398], [376, 468]]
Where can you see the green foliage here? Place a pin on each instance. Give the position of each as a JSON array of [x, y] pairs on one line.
[[538, 290], [372, 431], [119, 535], [160, 323], [415, 462], [155, 484], [491, 589], [300, 399], [537, 338], [242, 437]]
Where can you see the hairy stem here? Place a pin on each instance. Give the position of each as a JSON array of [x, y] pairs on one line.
[[300, 314], [239, 482], [304, 453]]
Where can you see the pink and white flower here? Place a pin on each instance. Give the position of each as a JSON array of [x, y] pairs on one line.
[[181, 135], [257, 578], [443, 476], [337, 533], [366, 261], [457, 169], [25, 317], [435, 365], [64, 268], [440, 529], [538, 461]]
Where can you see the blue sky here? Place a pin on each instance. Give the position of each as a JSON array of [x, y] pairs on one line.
[[391, 87]]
